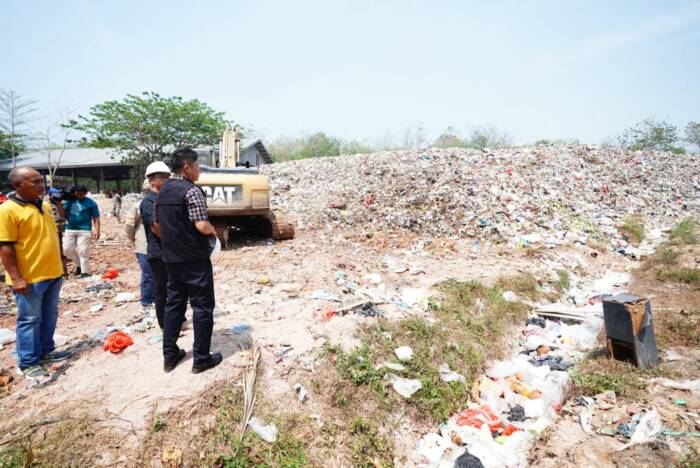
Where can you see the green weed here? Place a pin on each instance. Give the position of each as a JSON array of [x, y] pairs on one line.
[[369, 449], [684, 233], [633, 229], [680, 275], [564, 282]]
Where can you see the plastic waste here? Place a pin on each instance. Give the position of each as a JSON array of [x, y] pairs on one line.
[[300, 392], [240, 328], [99, 287], [59, 340], [516, 413], [540, 322], [6, 336], [510, 296], [477, 417], [413, 297], [96, 307], [110, 274], [554, 362], [324, 295], [404, 353], [646, 431], [394, 366], [268, 432], [117, 341], [404, 387], [467, 460], [264, 280], [446, 375], [125, 297]]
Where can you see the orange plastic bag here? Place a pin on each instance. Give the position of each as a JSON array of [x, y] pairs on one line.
[[477, 417], [111, 274], [117, 341]]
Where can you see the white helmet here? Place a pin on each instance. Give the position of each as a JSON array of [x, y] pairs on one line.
[[156, 167]]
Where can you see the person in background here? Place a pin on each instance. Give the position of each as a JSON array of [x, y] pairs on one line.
[[181, 220], [157, 174], [60, 224], [117, 205], [136, 234], [81, 216], [32, 258]]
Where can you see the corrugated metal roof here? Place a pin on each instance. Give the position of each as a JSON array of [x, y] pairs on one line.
[[72, 158], [258, 144]]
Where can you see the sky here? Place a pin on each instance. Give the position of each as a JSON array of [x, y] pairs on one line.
[[368, 69]]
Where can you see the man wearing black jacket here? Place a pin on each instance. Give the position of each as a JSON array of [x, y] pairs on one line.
[[157, 173], [181, 221]]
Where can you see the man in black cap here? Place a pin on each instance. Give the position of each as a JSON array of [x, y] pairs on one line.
[[181, 220]]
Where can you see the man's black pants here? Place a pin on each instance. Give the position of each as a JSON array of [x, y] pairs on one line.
[[160, 274], [194, 281]]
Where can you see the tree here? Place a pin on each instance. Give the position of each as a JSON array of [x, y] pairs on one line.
[[143, 128], [16, 114], [650, 134], [56, 135], [488, 137], [449, 139], [6, 147], [692, 133]]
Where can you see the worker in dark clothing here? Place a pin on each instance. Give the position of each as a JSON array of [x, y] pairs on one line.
[[157, 173], [182, 223]]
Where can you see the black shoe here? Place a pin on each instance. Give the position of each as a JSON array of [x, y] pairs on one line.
[[169, 366], [214, 360], [78, 272]]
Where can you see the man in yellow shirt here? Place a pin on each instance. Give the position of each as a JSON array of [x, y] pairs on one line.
[[30, 251]]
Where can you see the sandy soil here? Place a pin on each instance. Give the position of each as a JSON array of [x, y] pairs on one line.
[[129, 385]]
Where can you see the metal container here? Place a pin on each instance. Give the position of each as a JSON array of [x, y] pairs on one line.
[[630, 330]]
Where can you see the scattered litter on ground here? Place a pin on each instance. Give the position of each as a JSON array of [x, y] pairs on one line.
[[446, 375], [324, 295], [117, 341], [268, 432], [6, 336], [125, 297], [404, 353], [300, 392], [99, 287], [404, 387]]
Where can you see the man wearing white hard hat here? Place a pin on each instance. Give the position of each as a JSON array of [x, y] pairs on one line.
[[136, 233], [156, 174]]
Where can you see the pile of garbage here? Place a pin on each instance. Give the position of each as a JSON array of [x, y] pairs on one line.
[[517, 398], [524, 195]]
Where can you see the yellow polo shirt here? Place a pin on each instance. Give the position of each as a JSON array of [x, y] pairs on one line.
[[35, 238]]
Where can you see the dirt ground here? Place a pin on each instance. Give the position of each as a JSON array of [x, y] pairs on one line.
[[271, 287], [127, 386]]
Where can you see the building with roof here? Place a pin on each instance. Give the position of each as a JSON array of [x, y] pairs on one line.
[[98, 164], [104, 165]]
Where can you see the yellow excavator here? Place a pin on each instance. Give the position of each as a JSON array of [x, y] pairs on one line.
[[238, 197]]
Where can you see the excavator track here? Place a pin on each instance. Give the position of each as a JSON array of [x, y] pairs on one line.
[[281, 228]]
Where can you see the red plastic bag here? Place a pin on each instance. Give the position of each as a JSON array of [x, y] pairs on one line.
[[477, 417], [111, 274], [117, 341]]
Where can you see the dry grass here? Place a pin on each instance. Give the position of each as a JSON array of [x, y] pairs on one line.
[[60, 441], [208, 433]]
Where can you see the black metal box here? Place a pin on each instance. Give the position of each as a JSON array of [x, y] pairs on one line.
[[630, 330]]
